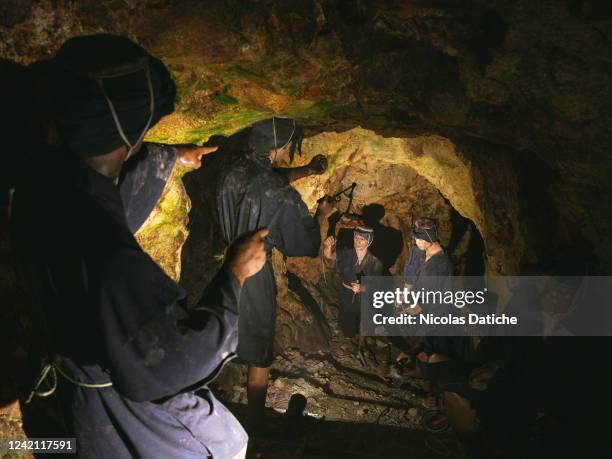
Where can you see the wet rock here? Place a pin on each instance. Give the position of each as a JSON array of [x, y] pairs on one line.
[[492, 120], [499, 83]]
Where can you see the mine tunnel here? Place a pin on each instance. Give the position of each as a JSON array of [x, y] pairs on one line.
[[488, 118]]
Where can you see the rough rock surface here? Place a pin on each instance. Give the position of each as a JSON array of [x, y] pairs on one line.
[[520, 89], [493, 118], [341, 392], [165, 231]]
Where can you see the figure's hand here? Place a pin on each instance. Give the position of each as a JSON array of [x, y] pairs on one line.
[[355, 287], [318, 165], [247, 255], [190, 156], [329, 241]]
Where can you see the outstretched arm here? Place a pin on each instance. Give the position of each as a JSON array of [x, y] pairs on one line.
[[156, 344], [190, 156], [317, 166]]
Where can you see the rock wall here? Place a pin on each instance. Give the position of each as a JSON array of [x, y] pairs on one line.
[[511, 86], [165, 231], [394, 169], [493, 117], [492, 114], [390, 192]]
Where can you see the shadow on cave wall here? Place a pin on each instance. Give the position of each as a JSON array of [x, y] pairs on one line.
[[466, 246], [296, 286], [539, 211], [400, 68], [388, 242]]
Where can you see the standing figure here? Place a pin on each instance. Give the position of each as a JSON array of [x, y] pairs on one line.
[[251, 195], [427, 267], [352, 264], [128, 360]]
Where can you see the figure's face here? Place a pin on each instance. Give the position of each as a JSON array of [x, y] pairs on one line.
[[422, 244], [360, 242], [280, 153]]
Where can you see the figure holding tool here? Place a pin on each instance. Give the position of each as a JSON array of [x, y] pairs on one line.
[[352, 264], [253, 193]]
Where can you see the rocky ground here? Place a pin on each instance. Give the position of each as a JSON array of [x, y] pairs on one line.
[[335, 439], [10, 427], [501, 108], [353, 412], [337, 387]]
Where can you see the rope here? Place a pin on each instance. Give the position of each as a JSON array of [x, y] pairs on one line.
[[81, 383], [274, 133], [52, 369], [43, 376], [116, 117]]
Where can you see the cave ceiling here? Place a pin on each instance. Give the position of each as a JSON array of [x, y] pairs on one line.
[[521, 89]]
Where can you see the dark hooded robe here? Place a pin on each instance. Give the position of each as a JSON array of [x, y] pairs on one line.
[[251, 196], [130, 361], [434, 275]]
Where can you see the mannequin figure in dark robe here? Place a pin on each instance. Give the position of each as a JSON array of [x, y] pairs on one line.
[[128, 360], [252, 194], [352, 264]]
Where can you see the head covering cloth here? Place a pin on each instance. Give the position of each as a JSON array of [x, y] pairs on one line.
[[106, 91], [426, 234], [275, 133], [365, 233]]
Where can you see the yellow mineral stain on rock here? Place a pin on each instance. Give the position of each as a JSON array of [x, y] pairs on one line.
[[165, 231], [254, 95], [361, 155], [434, 158]]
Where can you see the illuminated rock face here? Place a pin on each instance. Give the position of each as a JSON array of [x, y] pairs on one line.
[[411, 175], [417, 177], [388, 178], [165, 231], [491, 117], [492, 120], [501, 108]]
